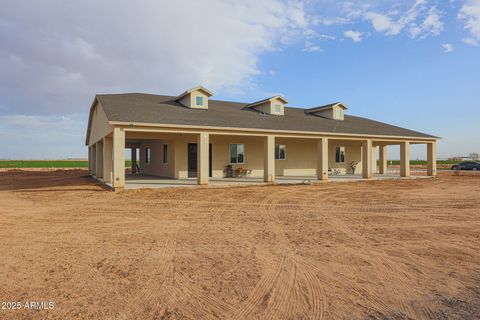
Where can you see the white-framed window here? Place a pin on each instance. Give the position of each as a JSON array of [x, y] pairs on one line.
[[280, 152], [278, 108], [148, 155], [339, 154], [199, 101], [338, 113], [237, 153], [165, 153]]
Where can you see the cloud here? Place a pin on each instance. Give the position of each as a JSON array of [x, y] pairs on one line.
[[470, 15], [421, 20], [57, 54], [448, 47], [432, 24], [42, 137], [356, 36], [312, 47]]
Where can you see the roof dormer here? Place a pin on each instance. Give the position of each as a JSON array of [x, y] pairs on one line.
[[334, 111], [274, 105], [195, 98]]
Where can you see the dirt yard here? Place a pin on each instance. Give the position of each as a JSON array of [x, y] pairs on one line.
[[375, 250]]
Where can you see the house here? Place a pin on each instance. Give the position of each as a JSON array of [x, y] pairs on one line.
[[192, 135]]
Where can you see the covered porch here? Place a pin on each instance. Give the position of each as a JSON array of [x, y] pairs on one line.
[[170, 157], [141, 181]]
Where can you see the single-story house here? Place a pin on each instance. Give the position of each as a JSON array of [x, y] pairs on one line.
[[191, 135]]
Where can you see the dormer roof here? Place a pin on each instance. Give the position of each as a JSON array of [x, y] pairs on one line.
[[197, 88], [285, 101]]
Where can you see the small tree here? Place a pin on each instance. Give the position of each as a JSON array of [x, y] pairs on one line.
[[353, 165]]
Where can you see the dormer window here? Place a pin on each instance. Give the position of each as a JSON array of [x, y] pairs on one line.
[[199, 101], [338, 114], [195, 98], [334, 111], [274, 105], [278, 108]]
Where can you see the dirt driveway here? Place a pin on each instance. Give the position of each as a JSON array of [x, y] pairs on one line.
[[377, 250]]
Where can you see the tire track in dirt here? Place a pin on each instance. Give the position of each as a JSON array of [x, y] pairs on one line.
[[275, 297]]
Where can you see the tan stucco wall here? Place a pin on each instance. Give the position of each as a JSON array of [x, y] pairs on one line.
[[156, 167], [99, 126]]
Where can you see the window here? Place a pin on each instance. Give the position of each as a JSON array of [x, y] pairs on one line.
[[165, 153], [278, 108], [340, 154], [338, 113], [280, 152], [237, 153], [199, 101], [148, 154]]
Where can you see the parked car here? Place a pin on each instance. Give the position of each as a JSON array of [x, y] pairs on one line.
[[467, 165]]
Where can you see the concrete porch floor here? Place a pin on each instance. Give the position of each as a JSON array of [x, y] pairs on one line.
[[145, 181]]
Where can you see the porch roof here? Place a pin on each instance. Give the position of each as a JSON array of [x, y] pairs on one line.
[[159, 109]]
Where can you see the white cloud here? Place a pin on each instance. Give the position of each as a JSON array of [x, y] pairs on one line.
[[448, 47], [57, 54], [421, 20], [312, 47], [432, 24], [42, 137], [356, 36], [470, 15]]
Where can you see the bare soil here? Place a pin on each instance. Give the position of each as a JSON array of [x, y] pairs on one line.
[[363, 250]]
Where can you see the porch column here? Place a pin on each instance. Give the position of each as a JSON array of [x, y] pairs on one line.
[[89, 160], [99, 148], [383, 159], [374, 159], [134, 159], [432, 159], [269, 159], [94, 160], [202, 158], [322, 159], [107, 159], [367, 159], [405, 159], [118, 159]]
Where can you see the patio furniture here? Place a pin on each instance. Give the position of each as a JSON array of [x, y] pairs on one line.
[[242, 172]]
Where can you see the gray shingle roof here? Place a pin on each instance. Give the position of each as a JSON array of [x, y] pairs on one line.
[[158, 109]]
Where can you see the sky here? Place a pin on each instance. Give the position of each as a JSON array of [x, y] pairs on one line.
[[411, 63]]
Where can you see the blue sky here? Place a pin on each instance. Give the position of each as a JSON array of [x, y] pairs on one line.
[[411, 63]]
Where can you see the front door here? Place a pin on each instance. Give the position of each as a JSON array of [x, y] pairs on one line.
[[192, 160]]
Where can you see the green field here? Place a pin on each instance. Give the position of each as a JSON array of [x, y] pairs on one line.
[[47, 164]]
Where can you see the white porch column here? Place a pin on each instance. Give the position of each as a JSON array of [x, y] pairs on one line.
[[269, 159], [322, 159], [89, 160], [99, 155], [374, 159], [405, 159], [133, 158], [202, 158], [118, 159], [383, 159], [367, 159], [107, 159], [94, 160], [432, 159]]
